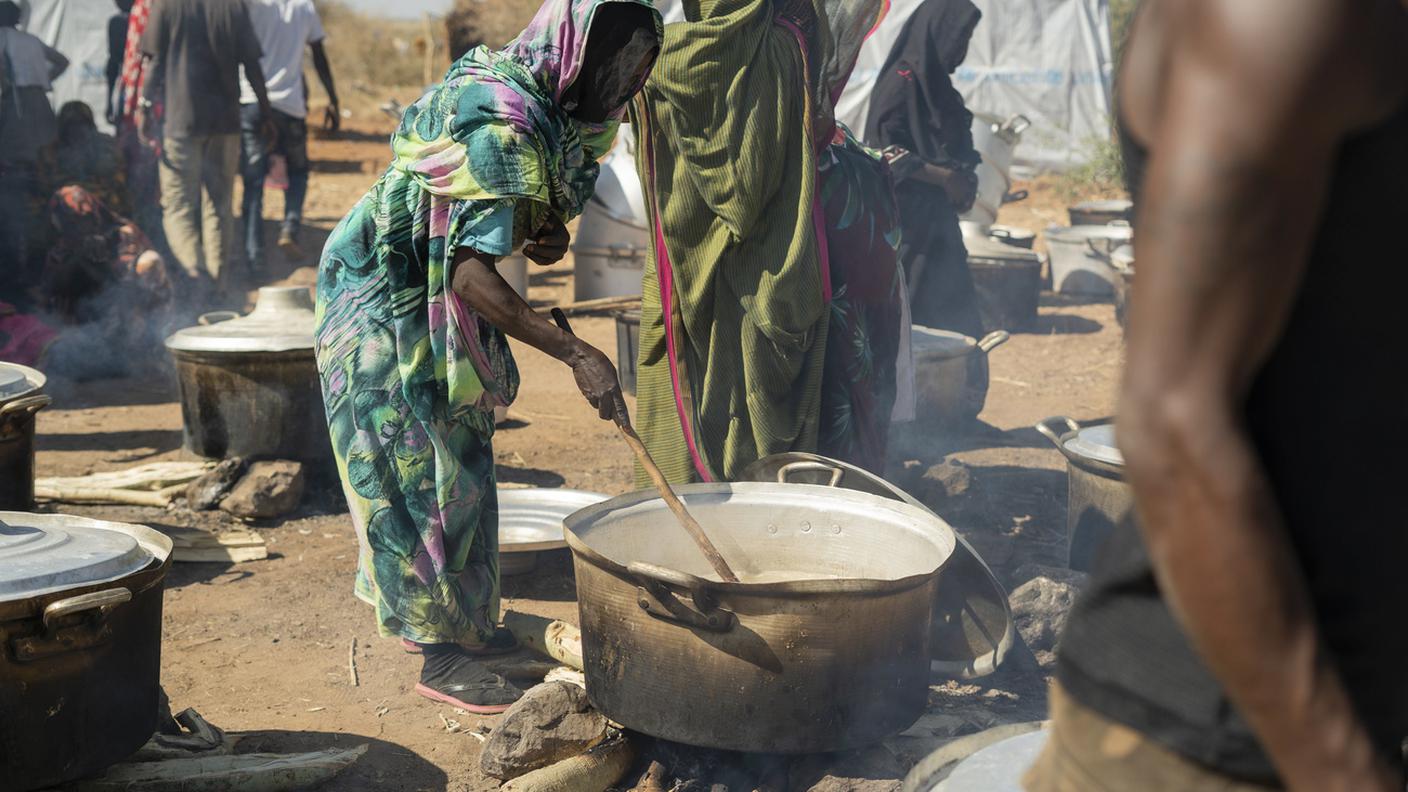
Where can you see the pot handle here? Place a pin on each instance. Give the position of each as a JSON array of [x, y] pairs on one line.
[[29, 404], [1017, 124], [1014, 197], [994, 340], [799, 466], [655, 598], [1048, 429], [94, 600], [217, 316]]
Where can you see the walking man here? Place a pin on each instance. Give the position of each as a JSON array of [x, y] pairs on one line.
[[1249, 635], [197, 48], [284, 28]]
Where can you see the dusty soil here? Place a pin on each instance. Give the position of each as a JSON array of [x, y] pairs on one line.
[[263, 647]]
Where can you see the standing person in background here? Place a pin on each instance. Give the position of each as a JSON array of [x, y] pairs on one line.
[[28, 68], [117, 49], [140, 159], [771, 303], [197, 48], [916, 109], [1246, 631], [284, 28]]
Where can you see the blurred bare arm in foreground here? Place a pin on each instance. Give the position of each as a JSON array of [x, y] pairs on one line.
[[1243, 105]]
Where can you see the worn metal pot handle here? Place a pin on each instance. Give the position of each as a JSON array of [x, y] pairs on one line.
[[656, 598], [29, 404], [806, 465], [1017, 124], [994, 340], [1015, 196], [1048, 428], [212, 317], [94, 600]]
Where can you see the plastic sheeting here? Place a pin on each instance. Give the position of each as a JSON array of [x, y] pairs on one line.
[[1049, 60], [79, 30]]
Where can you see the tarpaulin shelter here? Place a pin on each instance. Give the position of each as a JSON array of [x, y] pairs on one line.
[[79, 30], [1049, 60]]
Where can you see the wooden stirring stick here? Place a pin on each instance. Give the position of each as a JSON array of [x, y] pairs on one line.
[[667, 493]]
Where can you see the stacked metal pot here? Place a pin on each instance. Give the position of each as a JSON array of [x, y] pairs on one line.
[[249, 385], [80, 622], [1097, 498], [20, 399]]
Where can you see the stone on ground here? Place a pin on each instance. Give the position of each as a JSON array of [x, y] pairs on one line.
[[268, 489], [206, 492], [1039, 610], [553, 721]]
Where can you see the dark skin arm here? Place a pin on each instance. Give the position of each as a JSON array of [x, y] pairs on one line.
[[479, 284], [255, 74], [332, 119], [1244, 104]]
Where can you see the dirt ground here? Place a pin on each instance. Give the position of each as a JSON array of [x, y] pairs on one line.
[[263, 647]]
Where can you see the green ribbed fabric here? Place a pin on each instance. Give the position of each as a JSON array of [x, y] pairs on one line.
[[733, 180]]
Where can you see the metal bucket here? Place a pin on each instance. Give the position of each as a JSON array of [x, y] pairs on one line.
[[824, 646], [627, 348]]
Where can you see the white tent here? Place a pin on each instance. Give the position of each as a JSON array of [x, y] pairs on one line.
[[79, 30], [1049, 60]]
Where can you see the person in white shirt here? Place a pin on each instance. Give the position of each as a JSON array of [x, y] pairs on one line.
[[284, 28]]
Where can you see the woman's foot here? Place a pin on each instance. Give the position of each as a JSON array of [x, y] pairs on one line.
[[501, 643], [452, 677]]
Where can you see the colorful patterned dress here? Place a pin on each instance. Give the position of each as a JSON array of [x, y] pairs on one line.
[[410, 376]]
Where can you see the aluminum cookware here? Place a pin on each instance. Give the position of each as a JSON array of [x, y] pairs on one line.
[[249, 385], [823, 646], [996, 141], [1007, 280], [530, 524], [612, 242], [1122, 259], [627, 348], [20, 400], [1080, 258], [1097, 497], [80, 627], [972, 630], [950, 375], [1101, 212]]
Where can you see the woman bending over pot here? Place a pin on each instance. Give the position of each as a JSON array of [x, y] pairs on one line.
[[413, 319]]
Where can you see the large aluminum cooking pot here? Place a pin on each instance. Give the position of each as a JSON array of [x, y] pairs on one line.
[[1101, 212], [1122, 260], [249, 386], [612, 242], [996, 140], [80, 626], [1080, 258], [1007, 280], [950, 375], [972, 627], [1097, 497], [20, 399], [824, 646]]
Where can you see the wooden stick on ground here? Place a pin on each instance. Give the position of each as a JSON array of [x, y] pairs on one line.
[[95, 495], [556, 639], [352, 663]]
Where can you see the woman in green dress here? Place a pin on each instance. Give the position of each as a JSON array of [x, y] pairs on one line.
[[413, 318]]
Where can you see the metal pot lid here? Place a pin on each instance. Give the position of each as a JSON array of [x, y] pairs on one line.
[[17, 381], [932, 344], [530, 520], [1114, 205], [1120, 234], [990, 250], [1096, 442], [44, 553], [282, 321]]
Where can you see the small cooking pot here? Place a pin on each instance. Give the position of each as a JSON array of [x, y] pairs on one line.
[[80, 644], [20, 400], [951, 375], [1097, 497], [249, 385], [823, 646], [972, 628]]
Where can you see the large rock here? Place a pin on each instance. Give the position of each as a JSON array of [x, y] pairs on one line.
[[207, 491], [872, 770], [553, 721], [1039, 610], [268, 489]]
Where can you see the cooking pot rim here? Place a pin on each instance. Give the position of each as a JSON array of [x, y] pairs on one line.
[[844, 586], [34, 382], [1062, 440]]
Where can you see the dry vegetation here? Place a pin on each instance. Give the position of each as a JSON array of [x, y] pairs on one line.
[[491, 22]]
